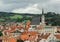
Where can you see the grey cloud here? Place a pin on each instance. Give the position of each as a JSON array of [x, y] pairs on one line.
[[55, 7], [9, 5], [21, 1]]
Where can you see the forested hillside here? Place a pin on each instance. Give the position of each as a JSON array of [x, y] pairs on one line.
[[50, 17]]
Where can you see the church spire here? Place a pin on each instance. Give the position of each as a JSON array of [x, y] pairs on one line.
[[42, 11], [43, 18]]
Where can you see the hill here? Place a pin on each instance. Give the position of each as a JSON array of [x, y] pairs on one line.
[[50, 17]]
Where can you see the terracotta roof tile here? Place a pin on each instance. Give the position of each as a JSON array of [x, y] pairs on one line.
[[5, 37], [32, 33], [44, 36], [24, 37], [39, 27], [8, 30], [12, 39], [58, 28], [57, 36]]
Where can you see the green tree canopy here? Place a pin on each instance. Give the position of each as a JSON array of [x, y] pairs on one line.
[[1, 34]]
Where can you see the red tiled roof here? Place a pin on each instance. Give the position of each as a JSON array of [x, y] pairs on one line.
[[5, 37], [32, 33], [24, 37], [28, 22], [57, 36], [23, 33], [19, 27], [13, 27], [44, 36], [8, 30], [58, 28], [39, 27], [0, 37], [12, 39]]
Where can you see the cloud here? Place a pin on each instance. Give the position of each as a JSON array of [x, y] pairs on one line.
[[52, 6], [4, 7], [48, 5], [25, 1], [29, 9], [13, 5]]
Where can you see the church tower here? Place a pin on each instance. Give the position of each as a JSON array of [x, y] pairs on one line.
[[43, 18]]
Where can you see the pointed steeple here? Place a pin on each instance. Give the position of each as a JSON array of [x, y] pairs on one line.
[[42, 11], [43, 18]]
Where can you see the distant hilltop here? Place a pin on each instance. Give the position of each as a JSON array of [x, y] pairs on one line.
[[50, 17]]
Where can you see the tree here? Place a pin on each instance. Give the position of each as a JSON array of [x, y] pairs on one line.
[[1, 33]]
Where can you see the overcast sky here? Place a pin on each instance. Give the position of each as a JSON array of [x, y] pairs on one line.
[[30, 6]]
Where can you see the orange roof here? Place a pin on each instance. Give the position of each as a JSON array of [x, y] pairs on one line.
[[5, 37], [0, 37], [39, 27], [27, 26], [23, 33], [32, 37], [44, 36], [8, 30], [0, 26], [18, 37], [5, 30], [13, 27], [19, 27], [12, 39], [28, 22], [58, 28], [24, 37], [57, 36], [7, 26], [32, 33]]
